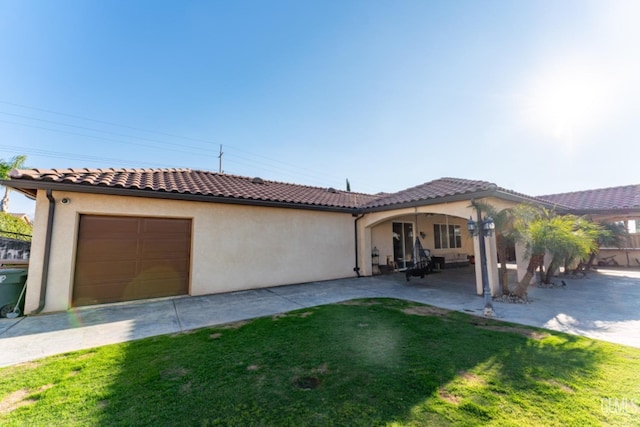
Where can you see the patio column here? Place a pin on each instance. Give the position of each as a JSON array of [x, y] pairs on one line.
[[492, 264]]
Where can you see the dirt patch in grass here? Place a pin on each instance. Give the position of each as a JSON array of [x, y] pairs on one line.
[[253, 367], [299, 315], [22, 367], [322, 369], [425, 310], [448, 397], [215, 336], [360, 302], [236, 325], [529, 333], [306, 383], [561, 386], [86, 355], [175, 373], [15, 400], [186, 388], [471, 378], [20, 398]]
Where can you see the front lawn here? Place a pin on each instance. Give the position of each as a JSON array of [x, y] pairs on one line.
[[366, 362]]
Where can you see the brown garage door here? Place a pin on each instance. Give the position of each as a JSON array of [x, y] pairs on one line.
[[129, 258]]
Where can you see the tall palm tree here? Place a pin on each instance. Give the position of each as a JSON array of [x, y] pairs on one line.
[[5, 167]]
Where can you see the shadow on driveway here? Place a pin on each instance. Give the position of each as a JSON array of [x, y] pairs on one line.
[[603, 305]]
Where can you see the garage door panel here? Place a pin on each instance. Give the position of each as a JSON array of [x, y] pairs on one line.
[[111, 250], [150, 268], [166, 226], [100, 294], [167, 248], [105, 272], [106, 225], [142, 258], [160, 287]]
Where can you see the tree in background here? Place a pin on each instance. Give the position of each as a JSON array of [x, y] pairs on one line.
[[14, 227], [348, 185], [6, 166]]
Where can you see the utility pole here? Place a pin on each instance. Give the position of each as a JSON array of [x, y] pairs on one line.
[[220, 160]]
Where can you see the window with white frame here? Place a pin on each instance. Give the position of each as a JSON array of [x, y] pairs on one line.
[[447, 236]]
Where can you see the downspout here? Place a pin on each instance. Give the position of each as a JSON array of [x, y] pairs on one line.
[[47, 253], [355, 231]]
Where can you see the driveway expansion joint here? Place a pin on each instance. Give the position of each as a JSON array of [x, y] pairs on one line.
[[175, 310]]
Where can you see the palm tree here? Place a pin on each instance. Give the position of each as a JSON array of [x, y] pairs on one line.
[[524, 217], [565, 238], [5, 167], [571, 238]]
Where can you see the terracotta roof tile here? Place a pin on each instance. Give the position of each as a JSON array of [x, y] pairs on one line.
[[187, 181], [625, 197], [209, 184], [438, 188]]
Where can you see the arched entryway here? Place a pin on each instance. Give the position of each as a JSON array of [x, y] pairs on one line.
[[441, 228]]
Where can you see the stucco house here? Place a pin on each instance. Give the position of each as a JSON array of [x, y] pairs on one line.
[[113, 235]]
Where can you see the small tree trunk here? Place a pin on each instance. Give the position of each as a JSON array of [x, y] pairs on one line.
[[504, 273], [4, 205], [546, 278], [535, 261]]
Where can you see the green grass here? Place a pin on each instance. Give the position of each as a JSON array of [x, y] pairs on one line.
[[369, 362]]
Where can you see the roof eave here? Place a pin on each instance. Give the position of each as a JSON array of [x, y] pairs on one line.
[[435, 201], [28, 187], [611, 211], [458, 198]]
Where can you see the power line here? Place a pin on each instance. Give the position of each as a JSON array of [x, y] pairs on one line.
[[289, 169], [103, 122], [95, 137], [99, 130], [62, 155], [323, 175]]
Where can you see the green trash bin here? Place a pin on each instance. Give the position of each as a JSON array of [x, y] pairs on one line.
[[12, 282]]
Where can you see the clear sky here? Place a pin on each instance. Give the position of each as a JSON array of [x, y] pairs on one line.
[[536, 96]]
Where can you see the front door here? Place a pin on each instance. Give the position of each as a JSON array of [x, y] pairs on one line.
[[403, 244]]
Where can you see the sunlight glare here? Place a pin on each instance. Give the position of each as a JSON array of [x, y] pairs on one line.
[[567, 102]]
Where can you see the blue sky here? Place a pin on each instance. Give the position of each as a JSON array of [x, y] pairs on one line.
[[537, 96]]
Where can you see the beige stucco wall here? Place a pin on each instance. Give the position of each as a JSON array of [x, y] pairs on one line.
[[234, 247]]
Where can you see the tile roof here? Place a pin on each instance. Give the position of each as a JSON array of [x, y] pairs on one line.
[[200, 183], [188, 183], [625, 197], [439, 188]]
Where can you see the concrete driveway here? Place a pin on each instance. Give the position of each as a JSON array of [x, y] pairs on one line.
[[604, 305]]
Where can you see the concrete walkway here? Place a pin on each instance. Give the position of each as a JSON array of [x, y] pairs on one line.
[[605, 305]]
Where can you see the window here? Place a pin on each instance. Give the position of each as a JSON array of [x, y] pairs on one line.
[[403, 244], [447, 236]]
